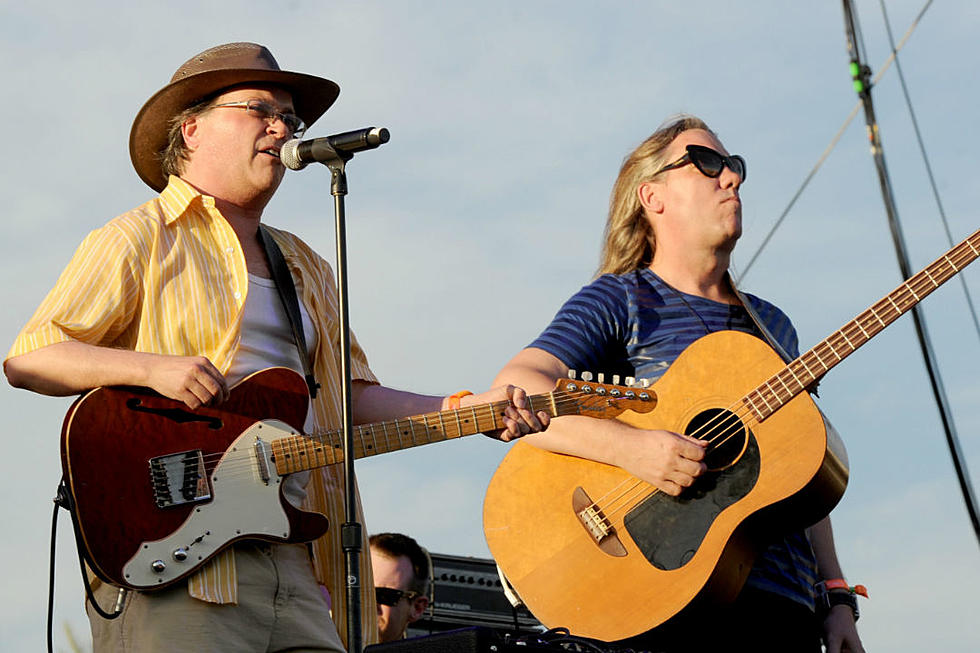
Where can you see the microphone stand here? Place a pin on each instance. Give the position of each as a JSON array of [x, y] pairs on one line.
[[861, 75], [350, 532]]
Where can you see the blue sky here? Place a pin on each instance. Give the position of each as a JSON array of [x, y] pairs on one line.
[[483, 214]]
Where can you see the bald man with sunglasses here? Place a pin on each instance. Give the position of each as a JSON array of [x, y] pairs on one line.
[[663, 282]]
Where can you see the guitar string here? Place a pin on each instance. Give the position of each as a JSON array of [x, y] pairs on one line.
[[421, 429], [909, 287], [923, 283]]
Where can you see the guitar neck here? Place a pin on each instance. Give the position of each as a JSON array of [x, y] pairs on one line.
[[303, 452], [812, 365]]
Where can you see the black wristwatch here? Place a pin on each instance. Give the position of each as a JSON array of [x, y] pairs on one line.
[[839, 597]]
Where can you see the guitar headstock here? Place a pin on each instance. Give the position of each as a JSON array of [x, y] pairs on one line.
[[605, 400]]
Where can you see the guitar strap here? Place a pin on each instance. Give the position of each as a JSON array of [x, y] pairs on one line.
[[766, 333], [287, 294], [758, 323]]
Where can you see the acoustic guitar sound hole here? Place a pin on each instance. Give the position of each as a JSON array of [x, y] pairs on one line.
[[724, 432], [669, 530]]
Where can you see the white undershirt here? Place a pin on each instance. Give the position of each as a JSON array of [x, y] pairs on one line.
[[267, 341]]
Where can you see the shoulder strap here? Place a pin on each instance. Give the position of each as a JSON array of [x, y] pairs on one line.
[[287, 294], [775, 344]]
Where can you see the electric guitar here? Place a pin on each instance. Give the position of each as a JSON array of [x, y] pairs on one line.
[[158, 489], [600, 552]]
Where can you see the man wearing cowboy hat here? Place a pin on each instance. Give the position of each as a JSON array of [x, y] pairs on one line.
[[177, 296]]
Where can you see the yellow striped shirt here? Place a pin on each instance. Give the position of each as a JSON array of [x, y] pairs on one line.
[[169, 277]]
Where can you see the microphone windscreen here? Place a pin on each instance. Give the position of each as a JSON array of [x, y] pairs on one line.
[[289, 155]]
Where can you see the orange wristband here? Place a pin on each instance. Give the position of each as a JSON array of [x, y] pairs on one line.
[[454, 399], [841, 584]]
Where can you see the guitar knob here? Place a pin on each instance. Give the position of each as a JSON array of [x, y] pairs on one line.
[[180, 554], [586, 376], [158, 566]]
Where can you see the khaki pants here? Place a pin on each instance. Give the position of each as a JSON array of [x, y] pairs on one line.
[[280, 607]]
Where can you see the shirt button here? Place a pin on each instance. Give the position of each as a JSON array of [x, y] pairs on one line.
[[230, 250], [238, 295]]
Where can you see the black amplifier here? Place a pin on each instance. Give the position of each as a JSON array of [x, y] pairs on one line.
[[475, 639], [468, 592]]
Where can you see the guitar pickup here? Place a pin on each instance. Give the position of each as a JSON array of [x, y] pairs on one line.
[[179, 478]]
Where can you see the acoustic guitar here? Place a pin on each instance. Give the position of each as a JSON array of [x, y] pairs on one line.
[[158, 489], [593, 549]]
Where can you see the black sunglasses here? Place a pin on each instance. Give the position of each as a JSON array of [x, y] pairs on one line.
[[709, 162], [390, 596]]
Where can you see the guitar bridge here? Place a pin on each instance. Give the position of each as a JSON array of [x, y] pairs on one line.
[[179, 478], [596, 524]]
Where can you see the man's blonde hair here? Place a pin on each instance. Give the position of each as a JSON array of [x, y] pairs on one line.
[[629, 241]]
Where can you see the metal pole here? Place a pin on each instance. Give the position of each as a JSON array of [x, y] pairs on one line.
[[861, 75]]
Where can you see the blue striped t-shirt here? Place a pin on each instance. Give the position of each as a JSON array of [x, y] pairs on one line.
[[634, 324]]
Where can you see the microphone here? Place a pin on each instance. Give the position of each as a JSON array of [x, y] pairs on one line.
[[296, 154]]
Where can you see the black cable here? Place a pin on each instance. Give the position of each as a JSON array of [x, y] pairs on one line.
[[861, 74], [925, 158], [54, 531], [830, 146]]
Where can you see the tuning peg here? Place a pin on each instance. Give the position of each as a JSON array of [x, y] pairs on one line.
[[571, 374], [630, 381], [586, 376], [615, 379], [644, 383], [600, 378]]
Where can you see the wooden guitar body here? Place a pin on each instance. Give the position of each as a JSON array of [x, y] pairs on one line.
[[111, 435], [649, 555], [158, 490]]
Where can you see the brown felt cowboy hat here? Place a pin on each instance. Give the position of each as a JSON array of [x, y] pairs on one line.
[[204, 75]]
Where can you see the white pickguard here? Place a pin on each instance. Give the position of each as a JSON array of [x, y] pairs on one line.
[[243, 504]]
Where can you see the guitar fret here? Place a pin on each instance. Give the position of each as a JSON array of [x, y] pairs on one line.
[[792, 373], [398, 434], [779, 377], [293, 455], [762, 396], [373, 432], [911, 290], [897, 308], [878, 317], [384, 432], [459, 424], [359, 434], [476, 420], [751, 405], [320, 452], [411, 424], [431, 428], [857, 323], [806, 367]]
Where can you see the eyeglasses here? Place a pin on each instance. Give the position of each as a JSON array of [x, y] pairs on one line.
[[390, 596], [265, 111], [709, 162]]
